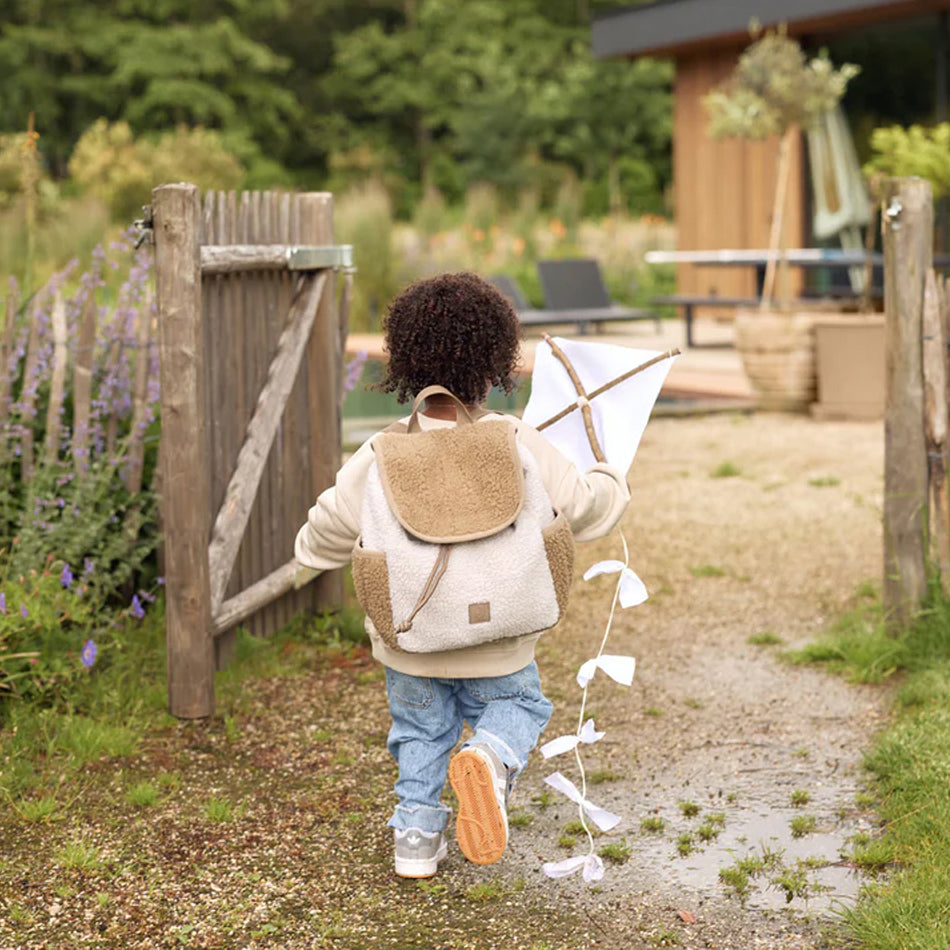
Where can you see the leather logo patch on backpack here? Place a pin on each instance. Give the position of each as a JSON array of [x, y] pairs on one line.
[[479, 613]]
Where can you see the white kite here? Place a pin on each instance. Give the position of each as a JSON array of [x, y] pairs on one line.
[[593, 401]]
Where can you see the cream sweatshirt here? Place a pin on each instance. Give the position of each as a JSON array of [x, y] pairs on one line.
[[592, 503]]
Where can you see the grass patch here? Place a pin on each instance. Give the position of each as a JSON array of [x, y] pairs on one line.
[[709, 831], [707, 570], [519, 818], [142, 795], [42, 809], [726, 470], [653, 711], [685, 845], [544, 799], [487, 891], [652, 825], [603, 775], [617, 852], [689, 809], [736, 879], [765, 639], [803, 825], [104, 715], [911, 772], [78, 855], [217, 809], [824, 481], [800, 797], [795, 882]]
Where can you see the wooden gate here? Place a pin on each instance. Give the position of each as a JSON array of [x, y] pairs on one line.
[[251, 343]]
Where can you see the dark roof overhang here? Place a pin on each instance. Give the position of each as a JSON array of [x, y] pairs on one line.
[[675, 27]]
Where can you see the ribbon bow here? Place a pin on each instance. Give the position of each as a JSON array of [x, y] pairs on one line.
[[605, 820]]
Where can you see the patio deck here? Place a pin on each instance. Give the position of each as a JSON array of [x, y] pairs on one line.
[[706, 373]]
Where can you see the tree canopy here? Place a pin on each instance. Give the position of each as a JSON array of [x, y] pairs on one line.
[[421, 93]]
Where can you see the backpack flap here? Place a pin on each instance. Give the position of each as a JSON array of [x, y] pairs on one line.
[[450, 485]]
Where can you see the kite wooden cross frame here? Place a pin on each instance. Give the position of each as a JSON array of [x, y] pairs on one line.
[[251, 346], [584, 398]]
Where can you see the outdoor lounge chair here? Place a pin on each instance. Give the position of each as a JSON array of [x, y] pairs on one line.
[[574, 292], [508, 287]]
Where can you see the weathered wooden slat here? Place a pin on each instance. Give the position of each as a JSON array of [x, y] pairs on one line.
[[57, 386], [136, 452], [82, 382], [28, 393], [6, 354], [908, 230], [237, 258], [232, 518], [935, 424], [323, 377], [288, 285], [257, 359], [253, 598], [185, 503]]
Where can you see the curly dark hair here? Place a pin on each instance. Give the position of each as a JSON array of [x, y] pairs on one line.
[[454, 330]]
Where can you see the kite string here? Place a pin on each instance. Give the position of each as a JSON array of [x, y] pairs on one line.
[[580, 718]]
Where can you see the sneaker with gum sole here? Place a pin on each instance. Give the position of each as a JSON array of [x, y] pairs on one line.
[[480, 782]]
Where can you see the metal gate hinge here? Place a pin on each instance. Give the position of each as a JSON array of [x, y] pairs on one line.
[[143, 228]]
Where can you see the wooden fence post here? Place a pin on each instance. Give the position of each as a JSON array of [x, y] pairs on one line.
[[907, 225], [185, 503]]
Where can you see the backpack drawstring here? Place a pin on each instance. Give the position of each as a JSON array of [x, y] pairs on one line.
[[435, 575]]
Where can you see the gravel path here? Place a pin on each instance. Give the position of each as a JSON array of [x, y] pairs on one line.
[[740, 526]]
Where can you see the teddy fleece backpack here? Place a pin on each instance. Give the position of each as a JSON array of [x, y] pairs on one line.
[[460, 544]]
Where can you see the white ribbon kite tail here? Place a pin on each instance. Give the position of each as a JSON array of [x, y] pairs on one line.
[[565, 743], [605, 820]]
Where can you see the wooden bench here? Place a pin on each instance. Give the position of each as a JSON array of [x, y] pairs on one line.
[[689, 301]]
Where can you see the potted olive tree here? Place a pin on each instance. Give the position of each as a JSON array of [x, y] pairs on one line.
[[776, 91]]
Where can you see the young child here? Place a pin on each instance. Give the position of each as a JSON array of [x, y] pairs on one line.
[[459, 332]]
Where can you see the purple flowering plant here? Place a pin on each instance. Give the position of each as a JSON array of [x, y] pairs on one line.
[[76, 499], [44, 624]]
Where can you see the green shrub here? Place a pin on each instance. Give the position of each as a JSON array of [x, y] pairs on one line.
[[121, 170], [363, 217], [917, 150]]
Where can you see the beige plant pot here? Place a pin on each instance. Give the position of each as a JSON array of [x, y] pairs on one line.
[[778, 355], [850, 360]]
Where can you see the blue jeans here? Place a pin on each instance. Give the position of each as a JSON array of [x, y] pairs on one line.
[[508, 713]]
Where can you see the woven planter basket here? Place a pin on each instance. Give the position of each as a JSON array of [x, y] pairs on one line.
[[778, 355]]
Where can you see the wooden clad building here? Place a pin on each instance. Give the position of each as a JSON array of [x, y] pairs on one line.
[[723, 190]]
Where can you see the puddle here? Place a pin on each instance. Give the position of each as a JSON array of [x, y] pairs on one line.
[[813, 864]]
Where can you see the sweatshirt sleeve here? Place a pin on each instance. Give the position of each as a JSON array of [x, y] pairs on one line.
[[593, 502], [326, 540]]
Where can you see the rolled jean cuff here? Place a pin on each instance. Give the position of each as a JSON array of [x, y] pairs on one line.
[[501, 748], [427, 818]]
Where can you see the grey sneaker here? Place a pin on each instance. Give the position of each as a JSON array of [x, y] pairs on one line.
[[418, 853], [480, 781]]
